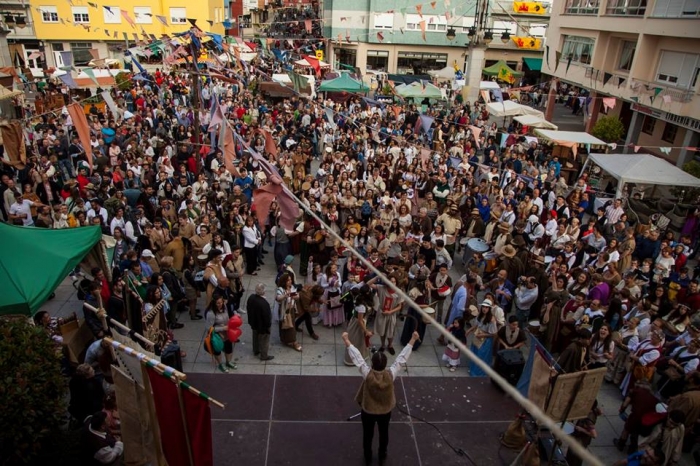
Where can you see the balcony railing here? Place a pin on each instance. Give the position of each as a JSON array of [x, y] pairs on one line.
[[677, 94]]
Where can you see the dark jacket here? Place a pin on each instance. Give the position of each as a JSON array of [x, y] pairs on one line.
[[259, 313], [55, 190]]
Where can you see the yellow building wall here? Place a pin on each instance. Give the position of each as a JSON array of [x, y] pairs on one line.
[[67, 30]]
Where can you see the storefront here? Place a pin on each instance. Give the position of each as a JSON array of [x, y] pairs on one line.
[[419, 62]]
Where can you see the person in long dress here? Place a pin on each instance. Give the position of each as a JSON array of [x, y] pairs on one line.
[[385, 323], [332, 312], [284, 312], [358, 332], [484, 328], [414, 321]]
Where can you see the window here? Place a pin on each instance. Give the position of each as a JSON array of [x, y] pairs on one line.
[[676, 9], [384, 21], [627, 50], [467, 23], [581, 7], [178, 15], [538, 30], [670, 131], [678, 69], [81, 52], [377, 60], [435, 23], [626, 7], [57, 47], [500, 26], [142, 15], [346, 57], [413, 22], [579, 49], [80, 14], [49, 14], [648, 124], [420, 63], [112, 15]]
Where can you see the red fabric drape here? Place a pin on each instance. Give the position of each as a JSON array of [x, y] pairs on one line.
[[172, 432], [198, 414], [81, 126]]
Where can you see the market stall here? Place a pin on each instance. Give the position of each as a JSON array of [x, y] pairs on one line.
[[421, 91], [644, 171], [309, 89], [510, 108], [343, 83], [534, 121]]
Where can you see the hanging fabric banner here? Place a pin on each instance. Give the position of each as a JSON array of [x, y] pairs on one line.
[[527, 42], [531, 8], [110, 103], [67, 79], [609, 102], [422, 29], [67, 58], [75, 110]]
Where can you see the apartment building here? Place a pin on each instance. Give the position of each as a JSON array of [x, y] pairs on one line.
[[386, 35], [110, 26], [645, 54]]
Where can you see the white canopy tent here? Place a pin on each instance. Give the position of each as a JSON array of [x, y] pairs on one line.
[[510, 108], [576, 137], [447, 72], [641, 169], [303, 62], [489, 85], [535, 122]]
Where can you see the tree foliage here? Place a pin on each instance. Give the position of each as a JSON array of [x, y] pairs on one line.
[[609, 129], [32, 394]]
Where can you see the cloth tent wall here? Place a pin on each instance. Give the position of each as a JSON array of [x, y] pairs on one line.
[[34, 261], [642, 169], [576, 137]]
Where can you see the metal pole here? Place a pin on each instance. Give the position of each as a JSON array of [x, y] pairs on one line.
[[195, 101]]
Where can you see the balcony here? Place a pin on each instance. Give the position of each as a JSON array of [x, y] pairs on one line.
[[677, 94], [676, 9], [582, 7], [626, 8]]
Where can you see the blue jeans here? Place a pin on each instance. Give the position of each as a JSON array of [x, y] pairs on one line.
[[66, 167]]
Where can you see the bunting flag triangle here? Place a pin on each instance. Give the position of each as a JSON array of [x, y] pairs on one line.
[[546, 55], [162, 20], [419, 10], [557, 57], [665, 150], [606, 78], [211, 23], [380, 37], [634, 99], [432, 5], [620, 81], [91, 74], [568, 64], [422, 30], [298, 81], [192, 21]]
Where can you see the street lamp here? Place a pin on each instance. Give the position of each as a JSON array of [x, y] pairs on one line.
[[10, 21], [488, 37], [21, 22], [505, 37], [451, 34]]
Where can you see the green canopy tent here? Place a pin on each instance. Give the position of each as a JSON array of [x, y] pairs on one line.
[[343, 83], [34, 261], [417, 91], [501, 70]]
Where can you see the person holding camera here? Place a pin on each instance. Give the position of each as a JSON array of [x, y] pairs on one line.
[[376, 394], [525, 295]]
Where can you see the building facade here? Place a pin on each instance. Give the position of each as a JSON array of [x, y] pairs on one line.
[[384, 35], [23, 45], [645, 54], [107, 26]]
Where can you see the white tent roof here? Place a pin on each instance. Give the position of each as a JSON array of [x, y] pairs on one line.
[[643, 168], [577, 137], [489, 85], [304, 62], [510, 108], [535, 122], [447, 72]]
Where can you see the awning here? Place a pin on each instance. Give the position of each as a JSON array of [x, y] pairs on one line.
[[534, 64]]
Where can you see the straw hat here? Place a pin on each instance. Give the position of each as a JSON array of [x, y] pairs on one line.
[[509, 251], [473, 310], [505, 226], [475, 212], [538, 259]]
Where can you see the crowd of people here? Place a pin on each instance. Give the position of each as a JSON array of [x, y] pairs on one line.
[[596, 290]]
